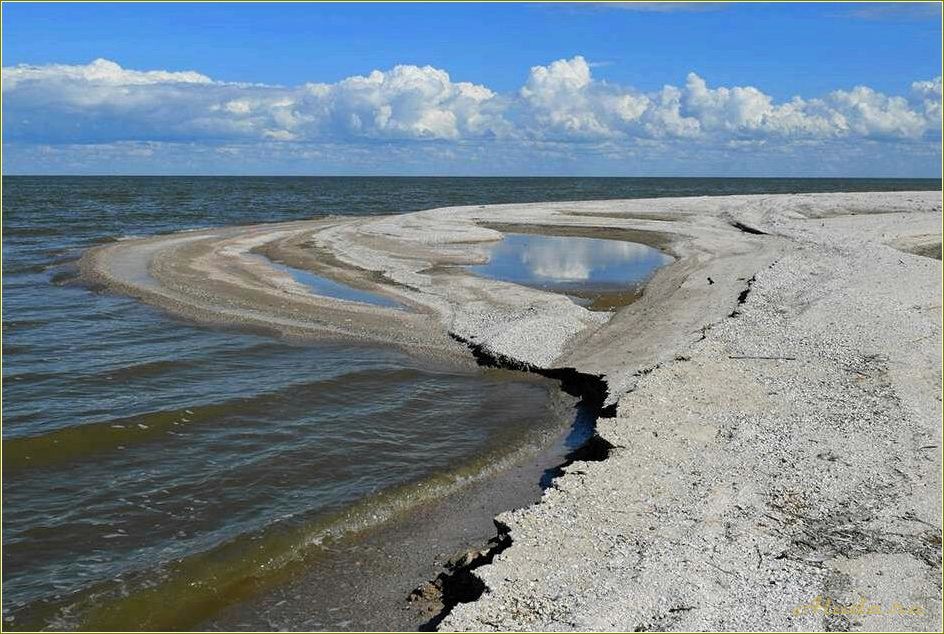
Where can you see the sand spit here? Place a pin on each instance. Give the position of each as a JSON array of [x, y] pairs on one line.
[[776, 449]]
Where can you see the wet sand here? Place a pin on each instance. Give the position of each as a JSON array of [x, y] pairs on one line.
[[776, 389], [364, 583]]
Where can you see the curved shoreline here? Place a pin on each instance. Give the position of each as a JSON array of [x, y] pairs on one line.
[[727, 250]]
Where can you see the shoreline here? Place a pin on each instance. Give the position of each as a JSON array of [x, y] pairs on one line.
[[283, 557], [727, 248], [386, 577]]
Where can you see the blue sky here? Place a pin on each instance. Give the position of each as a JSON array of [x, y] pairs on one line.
[[619, 89]]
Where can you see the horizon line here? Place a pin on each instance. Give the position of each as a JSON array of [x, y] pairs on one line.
[[145, 175]]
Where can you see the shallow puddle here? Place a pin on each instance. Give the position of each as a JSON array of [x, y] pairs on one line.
[[330, 288], [597, 273]]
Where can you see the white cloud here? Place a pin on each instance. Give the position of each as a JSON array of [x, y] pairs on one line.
[[747, 110], [665, 118], [559, 103], [407, 102], [103, 101], [560, 100], [929, 94], [100, 72], [565, 100], [866, 112]]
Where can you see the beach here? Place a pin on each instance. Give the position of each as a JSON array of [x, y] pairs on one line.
[[769, 406], [778, 471], [472, 317]]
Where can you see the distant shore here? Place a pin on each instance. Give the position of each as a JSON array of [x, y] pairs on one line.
[[776, 435]]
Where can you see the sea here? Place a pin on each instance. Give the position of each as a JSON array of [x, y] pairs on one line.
[[156, 471]]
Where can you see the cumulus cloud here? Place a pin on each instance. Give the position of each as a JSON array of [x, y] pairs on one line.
[[406, 101], [100, 72], [745, 110], [560, 99], [870, 113], [929, 94], [565, 100], [561, 102], [102, 101]]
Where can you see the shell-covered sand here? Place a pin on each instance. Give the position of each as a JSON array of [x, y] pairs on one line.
[[776, 449]]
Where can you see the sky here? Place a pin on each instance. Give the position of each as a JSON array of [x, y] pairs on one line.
[[588, 89]]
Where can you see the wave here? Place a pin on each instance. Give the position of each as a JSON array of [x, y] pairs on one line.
[[10, 325], [63, 277], [78, 442], [24, 269], [34, 230], [92, 375], [125, 373], [183, 593]]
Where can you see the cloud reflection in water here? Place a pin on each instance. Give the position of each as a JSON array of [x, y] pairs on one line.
[[571, 262]]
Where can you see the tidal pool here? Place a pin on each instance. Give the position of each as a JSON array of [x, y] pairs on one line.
[[330, 288], [598, 273]]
